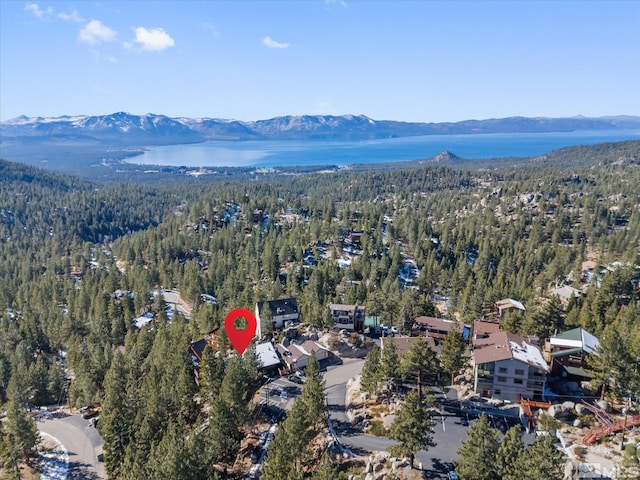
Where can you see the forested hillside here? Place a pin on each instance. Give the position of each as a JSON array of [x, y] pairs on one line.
[[78, 263]]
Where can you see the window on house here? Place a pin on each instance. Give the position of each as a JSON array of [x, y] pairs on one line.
[[502, 379], [519, 371], [502, 370], [497, 391], [517, 381]]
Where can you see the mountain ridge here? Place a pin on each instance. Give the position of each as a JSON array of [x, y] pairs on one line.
[[156, 129]]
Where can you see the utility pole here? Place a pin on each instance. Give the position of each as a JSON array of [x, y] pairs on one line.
[[624, 426]]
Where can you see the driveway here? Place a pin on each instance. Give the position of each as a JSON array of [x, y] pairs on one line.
[[450, 427], [82, 443], [336, 378], [172, 297]]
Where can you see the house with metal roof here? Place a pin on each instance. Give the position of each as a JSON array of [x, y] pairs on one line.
[[268, 357], [567, 353], [566, 293]]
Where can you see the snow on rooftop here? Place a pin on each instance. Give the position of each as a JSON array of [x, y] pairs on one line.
[[589, 342], [143, 320], [267, 354], [528, 354]]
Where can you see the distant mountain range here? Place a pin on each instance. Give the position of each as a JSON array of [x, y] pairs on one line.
[[124, 129]]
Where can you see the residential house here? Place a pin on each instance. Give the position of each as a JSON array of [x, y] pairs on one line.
[[438, 328], [196, 349], [403, 344], [296, 355], [354, 237], [588, 269], [566, 293], [567, 353], [507, 367], [502, 307], [257, 216], [279, 311], [143, 320], [270, 361], [349, 317], [482, 329]]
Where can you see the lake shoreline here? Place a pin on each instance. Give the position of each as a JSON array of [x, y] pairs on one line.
[[299, 153]]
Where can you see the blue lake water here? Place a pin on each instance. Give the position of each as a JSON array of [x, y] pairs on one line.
[[271, 153]]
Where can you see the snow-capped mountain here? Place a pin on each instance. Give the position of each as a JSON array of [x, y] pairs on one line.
[[127, 129]]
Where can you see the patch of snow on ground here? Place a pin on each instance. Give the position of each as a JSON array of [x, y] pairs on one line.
[[54, 459]]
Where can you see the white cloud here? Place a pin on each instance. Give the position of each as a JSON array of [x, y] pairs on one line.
[[339, 2], [212, 28], [95, 32], [38, 12], [271, 43], [73, 16], [155, 39]]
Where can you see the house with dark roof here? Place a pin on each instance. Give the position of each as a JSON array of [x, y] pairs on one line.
[[403, 344], [349, 317], [438, 328], [482, 329], [507, 367], [196, 349], [280, 312], [568, 352]]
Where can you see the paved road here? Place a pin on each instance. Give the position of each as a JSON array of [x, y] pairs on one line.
[[336, 378], [450, 427], [172, 297], [82, 441]]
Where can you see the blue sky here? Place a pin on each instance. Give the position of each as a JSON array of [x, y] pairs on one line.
[[414, 61]]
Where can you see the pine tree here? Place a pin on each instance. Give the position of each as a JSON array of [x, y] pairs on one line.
[[630, 467], [289, 446], [509, 454], [235, 393], [19, 438], [211, 372], [222, 438], [117, 417], [313, 394], [390, 364], [610, 365], [266, 323], [326, 470], [166, 459], [476, 457], [421, 362], [454, 354], [371, 375], [412, 427], [542, 460]]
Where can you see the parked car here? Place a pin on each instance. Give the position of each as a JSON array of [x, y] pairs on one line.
[[295, 379], [452, 475], [91, 412]]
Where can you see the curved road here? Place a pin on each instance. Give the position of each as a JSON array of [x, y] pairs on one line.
[[172, 297], [450, 429], [83, 443]]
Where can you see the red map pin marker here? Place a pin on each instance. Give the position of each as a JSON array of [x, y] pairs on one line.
[[240, 339]]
